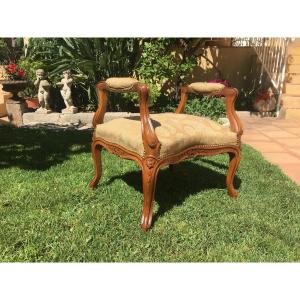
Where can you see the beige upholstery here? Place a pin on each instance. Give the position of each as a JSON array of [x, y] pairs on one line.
[[176, 132], [124, 83], [206, 87]]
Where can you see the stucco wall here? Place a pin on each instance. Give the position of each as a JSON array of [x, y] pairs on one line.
[[237, 65]]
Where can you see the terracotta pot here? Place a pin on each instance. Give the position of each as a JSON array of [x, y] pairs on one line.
[[32, 103]]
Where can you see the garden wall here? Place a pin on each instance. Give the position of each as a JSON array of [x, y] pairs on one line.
[[3, 111], [238, 65]]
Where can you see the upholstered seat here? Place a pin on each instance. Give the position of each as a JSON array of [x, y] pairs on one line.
[[206, 87], [175, 132], [121, 83]]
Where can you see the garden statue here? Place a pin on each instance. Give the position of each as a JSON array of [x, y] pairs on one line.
[[43, 92], [65, 90]]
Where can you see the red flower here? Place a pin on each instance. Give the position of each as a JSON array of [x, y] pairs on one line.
[[21, 73], [222, 81], [11, 68]]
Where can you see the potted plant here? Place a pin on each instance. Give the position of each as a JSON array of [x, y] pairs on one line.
[[15, 80], [265, 102]]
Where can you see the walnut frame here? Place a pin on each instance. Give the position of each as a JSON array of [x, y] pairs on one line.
[[151, 162]]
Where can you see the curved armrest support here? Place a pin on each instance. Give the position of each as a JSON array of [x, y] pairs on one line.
[[102, 103], [150, 140], [230, 95]]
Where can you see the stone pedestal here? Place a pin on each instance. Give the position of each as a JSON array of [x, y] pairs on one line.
[[15, 110], [71, 110], [42, 110]]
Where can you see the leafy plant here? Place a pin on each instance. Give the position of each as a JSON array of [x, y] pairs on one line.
[[161, 68], [207, 106], [30, 67], [94, 59], [43, 49], [10, 52]]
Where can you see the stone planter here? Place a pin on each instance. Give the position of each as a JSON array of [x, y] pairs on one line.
[[15, 105], [3, 98]]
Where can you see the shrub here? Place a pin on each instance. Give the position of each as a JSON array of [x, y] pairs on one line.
[[10, 53], [161, 68], [208, 106]]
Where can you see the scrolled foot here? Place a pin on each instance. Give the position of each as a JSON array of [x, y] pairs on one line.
[[93, 184], [146, 222], [232, 192]]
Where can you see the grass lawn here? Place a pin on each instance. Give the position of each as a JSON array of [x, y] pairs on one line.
[[48, 213]]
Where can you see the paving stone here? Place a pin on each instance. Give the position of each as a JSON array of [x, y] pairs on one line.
[[294, 130], [295, 142], [68, 119], [279, 134], [114, 115], [267, 128], [267, 147], [284, 142], [254, 137], [281, 158], [86, 117], [40, 118], [292, 171]]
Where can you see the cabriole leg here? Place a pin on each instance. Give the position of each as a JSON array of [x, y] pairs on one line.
[[149, 170], [96, 154], [234, 160]]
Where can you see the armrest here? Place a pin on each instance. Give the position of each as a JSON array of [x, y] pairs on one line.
[[150, 140], [230, 95]]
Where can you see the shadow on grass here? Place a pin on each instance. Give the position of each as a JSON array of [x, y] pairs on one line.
[[174, 187], [39, 149]]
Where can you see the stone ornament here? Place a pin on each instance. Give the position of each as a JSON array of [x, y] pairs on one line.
[[65, 90], [43, 92]]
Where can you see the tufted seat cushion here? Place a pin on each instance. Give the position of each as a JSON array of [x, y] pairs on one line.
[[206, 87], [175, 132], [119, 83]]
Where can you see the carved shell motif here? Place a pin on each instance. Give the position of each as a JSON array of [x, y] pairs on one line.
[[117, 151], [150, 163]]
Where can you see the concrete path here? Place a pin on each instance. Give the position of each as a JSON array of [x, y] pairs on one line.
[[278, 140]]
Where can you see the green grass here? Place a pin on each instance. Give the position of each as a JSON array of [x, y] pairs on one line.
[[48, 213]]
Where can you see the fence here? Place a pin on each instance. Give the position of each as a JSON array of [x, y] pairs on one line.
[[272, 53]]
